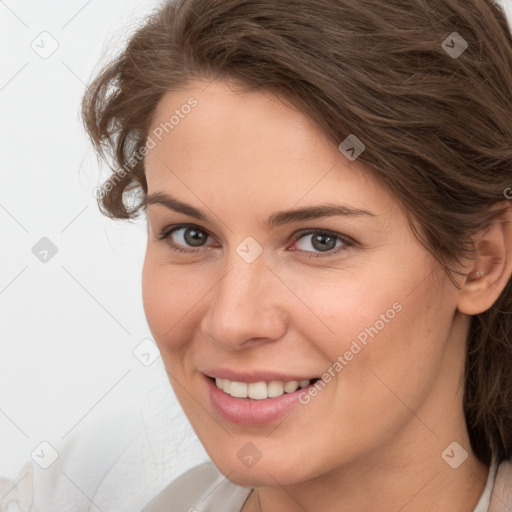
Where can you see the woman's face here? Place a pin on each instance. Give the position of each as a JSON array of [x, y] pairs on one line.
[[247, 293]]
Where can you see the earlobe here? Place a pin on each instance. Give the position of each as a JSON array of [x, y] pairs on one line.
[[491, 270]]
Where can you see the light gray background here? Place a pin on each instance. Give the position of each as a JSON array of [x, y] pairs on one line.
[[69, 326]]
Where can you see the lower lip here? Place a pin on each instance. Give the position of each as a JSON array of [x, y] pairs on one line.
[[246, 411]]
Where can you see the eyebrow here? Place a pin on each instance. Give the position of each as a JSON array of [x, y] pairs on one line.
[[276, 219]]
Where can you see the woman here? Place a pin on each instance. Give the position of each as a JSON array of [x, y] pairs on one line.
[[329, 258]]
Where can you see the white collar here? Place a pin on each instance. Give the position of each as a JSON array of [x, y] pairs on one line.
[[483, 502]]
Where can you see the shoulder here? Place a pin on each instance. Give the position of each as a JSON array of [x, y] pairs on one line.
[[501, 498], [199, 489]]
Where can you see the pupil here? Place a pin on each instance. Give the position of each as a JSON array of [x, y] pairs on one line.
[[196, 238], [323, 238]]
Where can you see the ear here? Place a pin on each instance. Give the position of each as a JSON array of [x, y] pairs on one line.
[[489, 273]]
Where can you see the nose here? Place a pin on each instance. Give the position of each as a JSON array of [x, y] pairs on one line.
[[246, 306]]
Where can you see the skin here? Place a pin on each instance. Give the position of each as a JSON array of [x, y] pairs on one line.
[[376, 432]]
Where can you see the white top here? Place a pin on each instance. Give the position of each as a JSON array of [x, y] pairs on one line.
[[204, 489], [483, 502], [201, 489]]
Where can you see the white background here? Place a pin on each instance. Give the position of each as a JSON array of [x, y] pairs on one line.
[[69, 326], [68, 375]]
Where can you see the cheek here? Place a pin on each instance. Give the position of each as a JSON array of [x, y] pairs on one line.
[[338, 306], [399, 359], [392, 324], [169, 294]]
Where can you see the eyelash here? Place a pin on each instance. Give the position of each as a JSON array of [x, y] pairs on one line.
[[348, 242]]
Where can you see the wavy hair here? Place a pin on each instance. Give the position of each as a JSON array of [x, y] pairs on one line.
[[426, 85]]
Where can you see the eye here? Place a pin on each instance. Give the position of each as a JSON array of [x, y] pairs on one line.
[[188, 238], [323, 242], [188, 234]]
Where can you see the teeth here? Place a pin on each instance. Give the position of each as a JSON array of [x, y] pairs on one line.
[[259, 390], [238, 389], [275, 388], [291, 386]]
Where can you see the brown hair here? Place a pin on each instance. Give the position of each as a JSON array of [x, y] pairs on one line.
[[436, 125]]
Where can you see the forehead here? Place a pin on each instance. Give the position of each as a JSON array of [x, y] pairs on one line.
[[226, 119], [211, 135]]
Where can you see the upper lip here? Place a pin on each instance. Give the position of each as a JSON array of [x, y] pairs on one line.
[[253, 375]]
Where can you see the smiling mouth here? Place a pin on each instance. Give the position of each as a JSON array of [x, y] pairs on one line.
[[260, 390]]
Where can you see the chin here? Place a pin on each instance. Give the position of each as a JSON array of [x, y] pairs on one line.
[[262, 477], [262, 474]]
